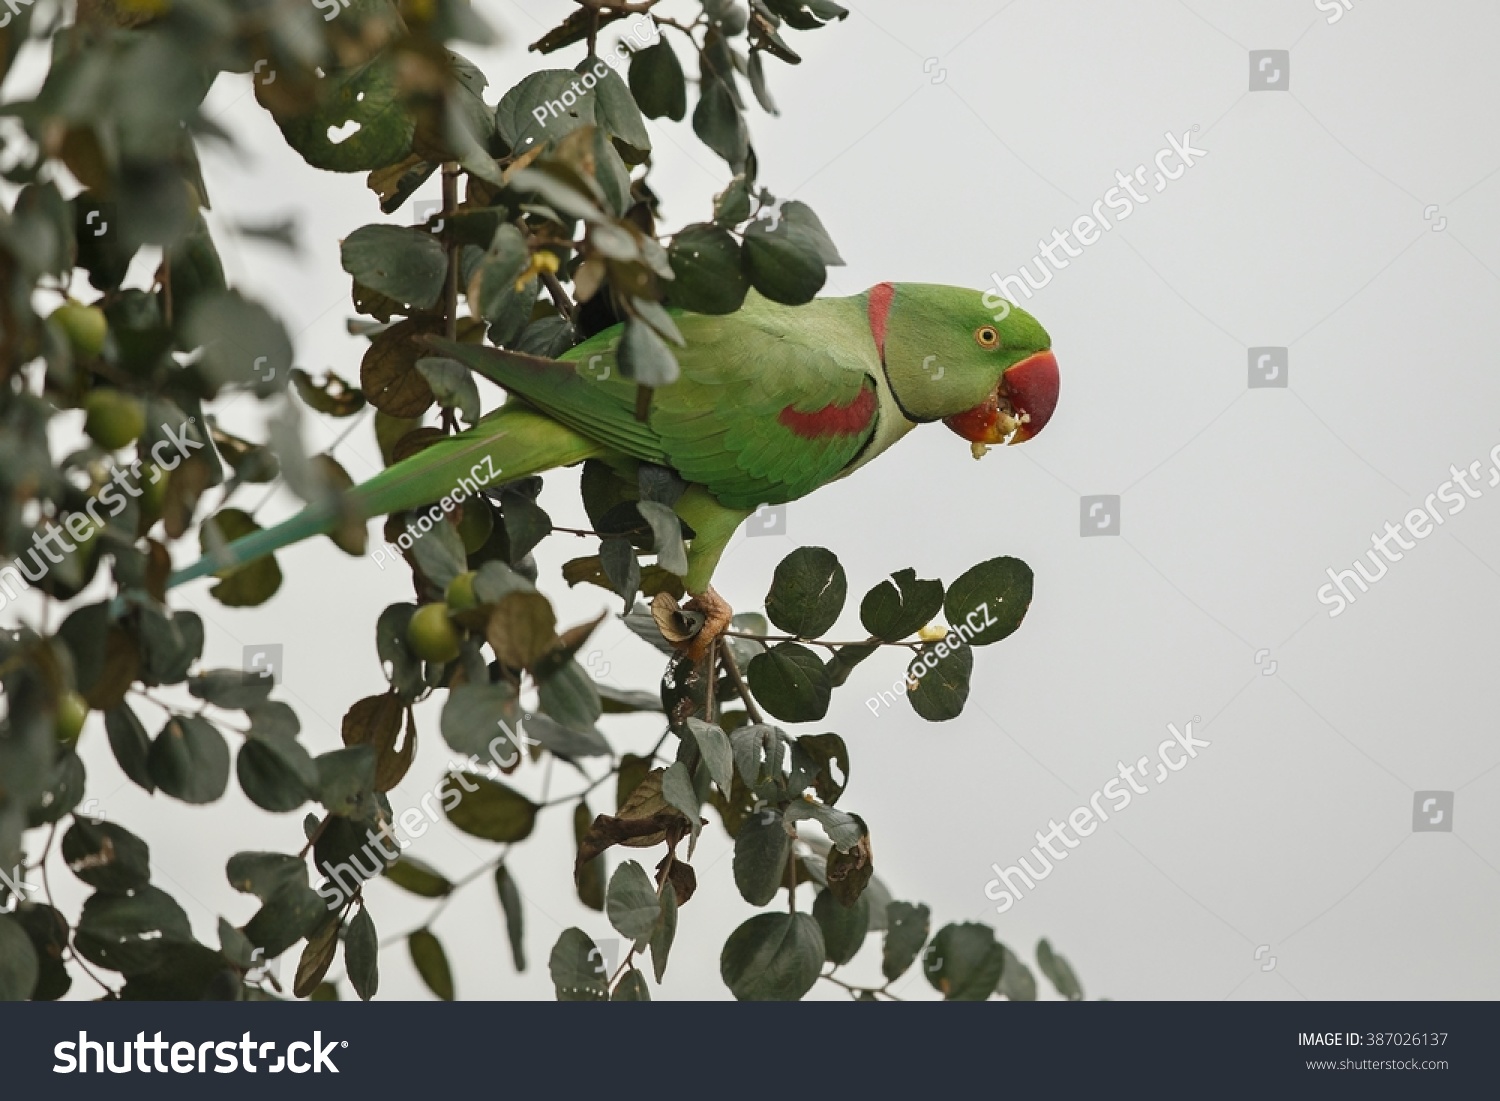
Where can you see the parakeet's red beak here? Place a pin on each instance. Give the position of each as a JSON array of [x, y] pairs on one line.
[[1020, 407], [1032, 387]]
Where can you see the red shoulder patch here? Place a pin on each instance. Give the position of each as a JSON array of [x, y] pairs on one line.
[[833, 419], [881, 295]]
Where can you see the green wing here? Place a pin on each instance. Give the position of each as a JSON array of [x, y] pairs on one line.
[[720, 424]]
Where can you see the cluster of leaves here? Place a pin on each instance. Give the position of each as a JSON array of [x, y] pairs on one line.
[[545, 234]]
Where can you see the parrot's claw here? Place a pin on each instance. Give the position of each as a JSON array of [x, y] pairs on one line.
[[716, 614]]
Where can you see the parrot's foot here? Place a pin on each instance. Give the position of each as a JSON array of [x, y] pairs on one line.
[[716, 614]]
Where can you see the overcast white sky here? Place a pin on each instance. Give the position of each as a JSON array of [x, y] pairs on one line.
[[939, 142]]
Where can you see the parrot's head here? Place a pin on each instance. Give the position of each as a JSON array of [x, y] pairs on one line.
[[985, 371]]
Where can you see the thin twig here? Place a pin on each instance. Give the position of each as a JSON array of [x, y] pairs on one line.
[[560, 297], [47, 890], [821, 642], [876, 990], [733, 669], [450, 205]]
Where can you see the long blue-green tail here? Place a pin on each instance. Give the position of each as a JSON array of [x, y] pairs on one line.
[[513, 442]]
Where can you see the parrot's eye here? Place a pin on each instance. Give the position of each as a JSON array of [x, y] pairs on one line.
[[987, 337]]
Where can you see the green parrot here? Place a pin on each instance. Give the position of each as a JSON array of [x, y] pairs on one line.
[[773, 403]]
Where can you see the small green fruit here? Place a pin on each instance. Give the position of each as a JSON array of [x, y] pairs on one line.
[[115, 419], [72, 710], [431, 636], [85, 327], [460, 594], [153, 485], [475, 525]]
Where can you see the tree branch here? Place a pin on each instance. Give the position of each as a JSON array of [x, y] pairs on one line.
[[733, 669]]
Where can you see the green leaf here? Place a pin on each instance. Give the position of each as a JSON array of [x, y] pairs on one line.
[[666, 530], [510, 905], [657, 82], [292, 913], [759, 750], [901, 606], [190, 760], [431, 963], [362, 955], [789, 264], [807, 15], [906, 931], [231, 689], [645, 358], [518, 121], [1058, 971], [275, 771], [631, 904], [565, 741], [127, 933], [937, 683], [677, 789], [472, 718], [568, 695], [418, 877], [492, 291], [590, 877], [130, 743], [666, 932], [616, 113], [575, 969], [264, 874], [622, 701], [48, 931], [453, 385], [807, 592], [19, 965], [401, 262], [844, 829], [631, 988], [760, 854], [526, 523], [732, 205], [106, 856], [366, 96], [317, 957], [717, 754], [756, 71], [488, 809], [813, 759], [243, 343], [843, 927], [405, 669], [346, 779], [717, 121], [246, 586], [709, 276], [1016, 981], [989, 601], [964, 962], [773, 957], [790, 682]]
